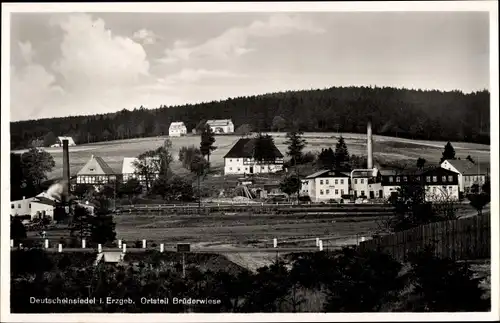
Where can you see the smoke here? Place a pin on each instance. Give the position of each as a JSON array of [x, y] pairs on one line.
[[57, 190]]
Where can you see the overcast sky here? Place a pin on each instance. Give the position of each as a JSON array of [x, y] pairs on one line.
[[72, 64]]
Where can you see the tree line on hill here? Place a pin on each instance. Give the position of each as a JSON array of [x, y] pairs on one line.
[[432, 115], [347, 280]]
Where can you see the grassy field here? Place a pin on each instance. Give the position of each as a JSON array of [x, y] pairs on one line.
[[384, 148]]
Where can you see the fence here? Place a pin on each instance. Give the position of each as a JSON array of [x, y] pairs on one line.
[[463, 239]]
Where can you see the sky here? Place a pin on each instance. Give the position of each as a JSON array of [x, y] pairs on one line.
[[66, 64]]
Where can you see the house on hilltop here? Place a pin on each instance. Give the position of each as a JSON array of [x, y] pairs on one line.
[[96, 171], [240, 159], [177, 129], [59, 141], [469, 173], [221, 126]]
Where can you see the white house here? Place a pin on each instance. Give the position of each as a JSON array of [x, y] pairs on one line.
[[129, 171], [59, 141], [221, 126], [239, 159], [440, 184], [177, 129], [96, 171], [37, 206], [21, 207], [468, 173], [365, 185], [325, 185]]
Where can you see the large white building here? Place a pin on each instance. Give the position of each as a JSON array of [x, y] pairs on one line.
[[221, 126], [177, 129], [59, 141], [325, 185], [239, 159], [439, 184], [365, 185], [37, 206], [468, 173]]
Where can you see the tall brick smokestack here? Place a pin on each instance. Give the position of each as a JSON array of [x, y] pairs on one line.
[[66, 164], [369, 146]]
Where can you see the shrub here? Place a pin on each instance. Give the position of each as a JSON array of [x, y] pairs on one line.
[[442, 285]]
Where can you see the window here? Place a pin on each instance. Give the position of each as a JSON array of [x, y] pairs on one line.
[[427, 179], [327, 192], [362, 193], [341, 181], [239, 169], [12, 206], [237, 159], [342, 192], [327, 182], [355, 181], [433, 190], [450, 188], [391, 179], [444, 178], [418, 178], [398, 179], [361, 181], [29, 205], [19, 206], [230, 160], [336, 192], [434, 179], [336, 181], [246, 169], [320, 192], [321, 182], [405, 179], [91, 169]]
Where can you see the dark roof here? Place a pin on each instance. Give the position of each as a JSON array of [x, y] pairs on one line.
[[105, 167], [244, 149], [327, 173], [466, 167], [44, 200]]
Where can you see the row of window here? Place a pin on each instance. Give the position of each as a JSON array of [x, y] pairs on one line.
[[427, 179], [474, 178], [327, 182], [89, 179], [262, 168], [327, 192], [13, 206], [444, 188]]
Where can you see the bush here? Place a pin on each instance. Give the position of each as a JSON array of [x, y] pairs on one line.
[[442, 285]]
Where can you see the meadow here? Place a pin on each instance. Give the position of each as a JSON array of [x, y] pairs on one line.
[[385, 149]]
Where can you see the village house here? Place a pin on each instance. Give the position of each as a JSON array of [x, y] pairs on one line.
[[96, 172], [240, 159], [38, 206], [221, 126], [177, 129], [59, 141], [364, 184], [325, 185], [469, 173], [129, 171], [440, 184]]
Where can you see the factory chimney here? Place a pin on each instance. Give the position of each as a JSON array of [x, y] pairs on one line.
[[66, 177], [369, 146]]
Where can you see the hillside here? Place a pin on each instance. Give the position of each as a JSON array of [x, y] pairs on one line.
[[385, 149], [414, 114]]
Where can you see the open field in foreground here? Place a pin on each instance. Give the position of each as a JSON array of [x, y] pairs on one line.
[[384, 148]]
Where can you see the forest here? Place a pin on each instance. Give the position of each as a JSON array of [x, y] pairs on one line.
[[414, 114]]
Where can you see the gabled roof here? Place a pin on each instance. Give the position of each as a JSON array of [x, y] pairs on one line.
[[244, 149], [466, 167], [178, 124], [327, 173], [44, 200], [222, 122], [96, 166]]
